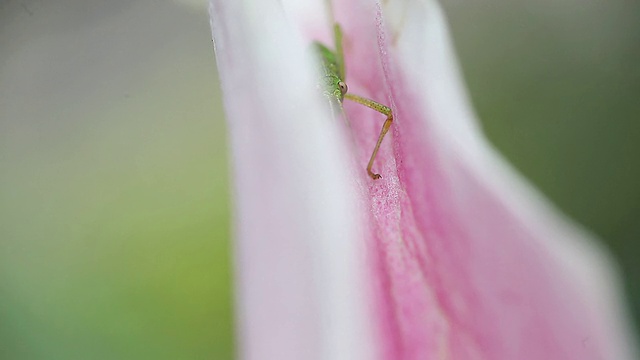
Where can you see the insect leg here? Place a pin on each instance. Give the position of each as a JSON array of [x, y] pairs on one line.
[[385, 127]]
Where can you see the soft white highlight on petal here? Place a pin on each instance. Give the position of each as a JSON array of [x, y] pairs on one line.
[[300, 272], [455, 128]]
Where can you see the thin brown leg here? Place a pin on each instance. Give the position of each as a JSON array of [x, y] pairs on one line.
[[383, 132], [385, 128]]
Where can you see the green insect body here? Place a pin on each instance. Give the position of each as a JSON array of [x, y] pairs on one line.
[[335, 88]]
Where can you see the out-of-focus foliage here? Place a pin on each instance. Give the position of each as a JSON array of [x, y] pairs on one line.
[[114, 205], [114, 191]]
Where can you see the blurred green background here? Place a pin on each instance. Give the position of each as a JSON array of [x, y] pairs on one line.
[[114, 190]]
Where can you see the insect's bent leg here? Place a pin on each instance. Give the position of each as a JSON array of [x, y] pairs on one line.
[[385, 127], [383, 132]]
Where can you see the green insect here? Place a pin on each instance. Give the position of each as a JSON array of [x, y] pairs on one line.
[[335, 87]]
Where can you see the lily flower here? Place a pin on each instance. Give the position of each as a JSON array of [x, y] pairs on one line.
[[450, 255]]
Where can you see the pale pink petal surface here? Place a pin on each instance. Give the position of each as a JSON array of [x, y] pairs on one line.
[[474, 264], [461, 258]]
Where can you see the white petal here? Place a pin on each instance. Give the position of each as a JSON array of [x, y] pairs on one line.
[[299, 269]]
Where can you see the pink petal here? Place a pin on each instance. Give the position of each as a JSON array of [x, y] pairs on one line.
[[450, 256], [472, 262]]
